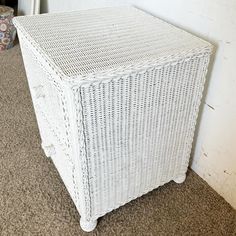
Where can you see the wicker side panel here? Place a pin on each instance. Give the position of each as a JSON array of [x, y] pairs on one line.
[[138, 130], [50, 107]]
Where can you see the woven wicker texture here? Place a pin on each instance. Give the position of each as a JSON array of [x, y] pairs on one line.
[[107, 39], [116, 94]]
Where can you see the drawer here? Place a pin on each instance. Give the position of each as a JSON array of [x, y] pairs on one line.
[[61, 159], [47, 95]]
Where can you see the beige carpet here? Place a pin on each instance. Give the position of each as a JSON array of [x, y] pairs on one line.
[[34, 201]]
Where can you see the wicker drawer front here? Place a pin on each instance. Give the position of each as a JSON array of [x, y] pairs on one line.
[[46, 95], [52, 119], [61, 159], [116, 94]]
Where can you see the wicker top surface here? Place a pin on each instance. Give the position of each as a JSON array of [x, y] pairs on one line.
[[109, 39]]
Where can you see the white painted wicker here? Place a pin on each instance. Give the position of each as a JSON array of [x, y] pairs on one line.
[[116, 94]]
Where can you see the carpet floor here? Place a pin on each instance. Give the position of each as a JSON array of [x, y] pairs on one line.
[[34, 201]]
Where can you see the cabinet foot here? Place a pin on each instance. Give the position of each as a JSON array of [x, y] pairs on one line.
[[87, 226], [180, 179]]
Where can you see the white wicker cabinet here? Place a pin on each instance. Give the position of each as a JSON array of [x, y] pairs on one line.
[[116, 93]]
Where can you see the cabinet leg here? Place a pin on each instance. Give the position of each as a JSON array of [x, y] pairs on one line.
[[180, 179], [87, 226]]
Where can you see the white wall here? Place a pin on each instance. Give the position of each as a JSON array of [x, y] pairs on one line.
[[214, 155], [28, 7]]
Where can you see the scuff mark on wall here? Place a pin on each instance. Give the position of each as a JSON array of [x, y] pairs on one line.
[[210, 106]]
